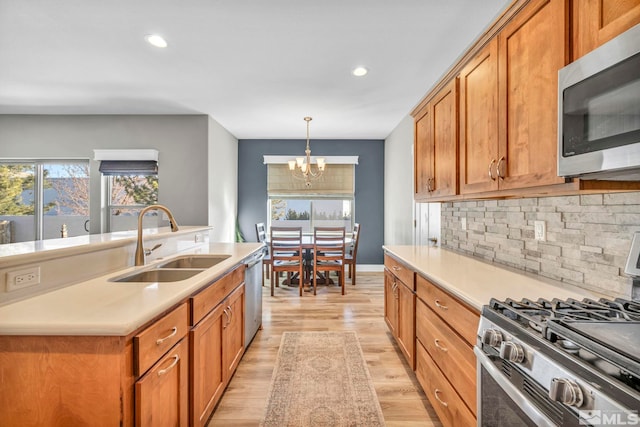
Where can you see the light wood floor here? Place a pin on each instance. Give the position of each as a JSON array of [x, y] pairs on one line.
[[361, 310]]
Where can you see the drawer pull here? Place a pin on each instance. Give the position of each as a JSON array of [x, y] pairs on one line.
[[174, 331], [161, 372], [230, 314], [440, 346], [436, 392], [439, 305], [396, 268]]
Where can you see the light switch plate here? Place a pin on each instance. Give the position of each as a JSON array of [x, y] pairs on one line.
[[540, 230]]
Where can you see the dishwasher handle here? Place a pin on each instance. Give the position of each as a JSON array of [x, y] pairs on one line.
[[252, 261]]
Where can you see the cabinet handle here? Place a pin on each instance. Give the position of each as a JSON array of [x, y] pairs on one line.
[[436, 393], [440, 346], [161, 372], [501, 161], [174, 331], [431, 184], [439, 305], [490, 173], [230, 314], [396, 268], [228, 317]]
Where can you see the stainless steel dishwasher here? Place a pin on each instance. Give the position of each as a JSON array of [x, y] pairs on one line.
[[252, 297]]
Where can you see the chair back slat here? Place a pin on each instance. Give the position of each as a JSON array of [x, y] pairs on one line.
[[329, 244], [286, 244]]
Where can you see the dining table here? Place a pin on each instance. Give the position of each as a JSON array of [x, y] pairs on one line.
[[307, 259]]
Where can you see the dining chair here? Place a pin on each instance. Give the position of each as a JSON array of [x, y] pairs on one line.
[[350, 255], [261, 235], [328, 254], [286, 254]]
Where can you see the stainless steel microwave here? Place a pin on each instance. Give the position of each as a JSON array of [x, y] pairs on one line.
[[599, 112]]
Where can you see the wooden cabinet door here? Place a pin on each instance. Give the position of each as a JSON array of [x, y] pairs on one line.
[[423, 154], [233, 336], [391, 302], [596, 22], [162, 394], [406, 336], [479, 121], [532, 48], [207, 370], [444, 109]]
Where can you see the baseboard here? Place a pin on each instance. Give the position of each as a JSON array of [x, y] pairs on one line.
[[370, 268]]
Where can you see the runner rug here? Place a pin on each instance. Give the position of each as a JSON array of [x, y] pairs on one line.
[[321, 379]]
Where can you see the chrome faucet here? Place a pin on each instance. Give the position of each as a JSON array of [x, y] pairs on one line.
[[140, 252]]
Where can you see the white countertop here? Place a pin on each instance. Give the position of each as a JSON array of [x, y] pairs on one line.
[[101, 307], [476, 282]]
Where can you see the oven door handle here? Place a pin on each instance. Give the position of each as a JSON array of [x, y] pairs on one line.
[[516, 395]]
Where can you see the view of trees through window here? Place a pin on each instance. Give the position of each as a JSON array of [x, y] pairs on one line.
[[311, 213], [128, 194], [43, 200], [47, 199]]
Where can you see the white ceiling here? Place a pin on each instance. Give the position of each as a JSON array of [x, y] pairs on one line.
[[256, 66]]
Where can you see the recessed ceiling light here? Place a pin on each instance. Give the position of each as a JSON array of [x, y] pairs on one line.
[[156, 40], [359, 71]]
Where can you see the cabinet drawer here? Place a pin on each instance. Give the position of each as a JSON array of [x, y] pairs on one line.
[[447, 403], [401, 271], [460, 317], [449, 351], [203, 302], [157, 339]]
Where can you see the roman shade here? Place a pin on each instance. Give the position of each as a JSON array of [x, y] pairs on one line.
[[128, 167], [337, 182]]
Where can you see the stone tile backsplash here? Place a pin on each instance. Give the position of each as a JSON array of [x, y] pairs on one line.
[[587, 240]]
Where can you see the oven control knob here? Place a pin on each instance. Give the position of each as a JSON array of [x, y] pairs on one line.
[[566, 391], [511, 351], [492, 337]]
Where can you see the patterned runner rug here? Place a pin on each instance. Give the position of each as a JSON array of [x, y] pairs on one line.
[[321, 379]]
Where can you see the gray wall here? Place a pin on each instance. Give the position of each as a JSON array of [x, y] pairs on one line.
[[181, 140], [369, 203], [588, 237]]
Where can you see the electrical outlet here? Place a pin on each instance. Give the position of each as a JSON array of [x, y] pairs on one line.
[[540, 230], [463, 223], [18, 279], [198, 238]]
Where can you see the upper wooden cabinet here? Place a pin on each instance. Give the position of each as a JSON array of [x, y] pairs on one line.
[[505, 144], [436, 145], [479, 121], [508, 103], [597, 21], [531, 50]]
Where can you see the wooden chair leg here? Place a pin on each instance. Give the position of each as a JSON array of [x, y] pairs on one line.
[[301, 279], [353, 280], [273, 279], [342, 280]]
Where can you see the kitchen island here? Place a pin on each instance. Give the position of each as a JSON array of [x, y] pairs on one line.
[[103, 352]]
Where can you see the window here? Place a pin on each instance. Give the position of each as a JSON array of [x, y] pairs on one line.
[[43, 199], [127, 195], [328, 202], [310, 213]]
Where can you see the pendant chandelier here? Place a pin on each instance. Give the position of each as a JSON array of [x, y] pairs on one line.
[[301, 167]]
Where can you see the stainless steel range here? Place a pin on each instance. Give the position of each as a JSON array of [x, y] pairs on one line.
[[559, 363]]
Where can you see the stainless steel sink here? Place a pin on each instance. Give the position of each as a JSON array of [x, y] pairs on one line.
[[158, 275], [194, 261]]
